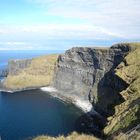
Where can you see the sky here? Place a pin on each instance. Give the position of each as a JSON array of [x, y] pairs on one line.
[[62, 24]]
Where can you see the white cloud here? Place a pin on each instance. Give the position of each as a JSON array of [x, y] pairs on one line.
[[16, 48], [59, 31], [102, 20], [12, 43], [113, 16]]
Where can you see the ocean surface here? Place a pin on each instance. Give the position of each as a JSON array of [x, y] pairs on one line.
[[26, 114]]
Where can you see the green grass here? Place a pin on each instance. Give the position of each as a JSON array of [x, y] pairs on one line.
[[127, 113], [73, 136], [128, 121]]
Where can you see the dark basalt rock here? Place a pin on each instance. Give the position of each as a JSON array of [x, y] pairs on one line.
[[88, 74]]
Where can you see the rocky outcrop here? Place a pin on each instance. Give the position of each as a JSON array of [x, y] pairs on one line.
[[30, 73], [88, 74]]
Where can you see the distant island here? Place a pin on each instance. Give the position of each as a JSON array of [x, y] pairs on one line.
[[103, 82]]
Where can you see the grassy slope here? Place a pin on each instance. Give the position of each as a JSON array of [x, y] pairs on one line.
[[39, 73], [127, 114], [73, 136]]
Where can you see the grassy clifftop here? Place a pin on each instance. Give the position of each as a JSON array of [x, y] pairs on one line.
[[39, 73], [127, 114]]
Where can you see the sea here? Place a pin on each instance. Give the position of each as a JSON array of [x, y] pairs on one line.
[[28, 114]]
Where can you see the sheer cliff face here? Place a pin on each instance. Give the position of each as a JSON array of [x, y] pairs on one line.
[[16, 66], [88, 74]]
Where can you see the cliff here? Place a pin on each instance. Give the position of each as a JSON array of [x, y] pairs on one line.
[[87, 74], [31, 73], [16, 67], [127, 114], [84, 75]]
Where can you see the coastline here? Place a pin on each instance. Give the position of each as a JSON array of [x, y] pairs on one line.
[[3, 89], [14, 91], [85, 106]]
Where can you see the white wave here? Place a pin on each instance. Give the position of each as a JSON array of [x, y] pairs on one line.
[[86, 106], [48, 89]]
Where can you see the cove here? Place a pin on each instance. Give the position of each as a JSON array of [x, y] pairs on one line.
[[26, 114]]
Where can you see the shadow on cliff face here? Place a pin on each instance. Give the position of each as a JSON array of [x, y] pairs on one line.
[[108, 95], [90, 124], [108, 92], [109, 88]]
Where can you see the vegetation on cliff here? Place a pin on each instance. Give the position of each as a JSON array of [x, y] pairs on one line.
[[39, 73], [127, 114]]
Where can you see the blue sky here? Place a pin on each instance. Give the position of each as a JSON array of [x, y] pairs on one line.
[[62, 24]]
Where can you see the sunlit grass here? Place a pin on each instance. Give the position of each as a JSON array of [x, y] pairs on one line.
[[39, 73], [73, 136]]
